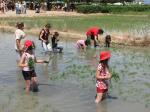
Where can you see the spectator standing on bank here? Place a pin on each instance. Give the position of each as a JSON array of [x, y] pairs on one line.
[[24, 7], [2, 6]]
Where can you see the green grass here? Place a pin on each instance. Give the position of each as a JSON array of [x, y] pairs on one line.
[[82, 23]]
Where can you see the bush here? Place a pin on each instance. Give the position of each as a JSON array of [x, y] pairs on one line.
[[111, 9], [88, 9]]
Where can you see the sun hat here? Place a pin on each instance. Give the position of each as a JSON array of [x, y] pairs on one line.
[[28, 43], [105, 55]]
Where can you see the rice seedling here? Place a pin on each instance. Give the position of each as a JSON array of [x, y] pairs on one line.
[[115, 75]]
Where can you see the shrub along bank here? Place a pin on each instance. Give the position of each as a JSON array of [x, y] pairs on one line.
[[112, 8]]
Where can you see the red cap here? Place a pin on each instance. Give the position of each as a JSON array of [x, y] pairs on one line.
[[105, 55], [28, 43]]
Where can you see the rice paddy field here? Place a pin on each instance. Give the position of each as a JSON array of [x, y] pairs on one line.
[[67, 83], [133, 25]]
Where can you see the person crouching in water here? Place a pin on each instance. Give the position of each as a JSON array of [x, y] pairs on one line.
[[93, 33], [107, 40], [102, 76], [43, 36], [54, 40], [27, 63], [83, 44]]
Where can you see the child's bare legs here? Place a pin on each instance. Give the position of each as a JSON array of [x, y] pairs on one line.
[[34, 84], [34, 80], [28, 82], [99, 97]]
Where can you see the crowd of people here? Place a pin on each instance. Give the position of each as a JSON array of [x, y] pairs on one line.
[[6, 5], [28, 59], [21, 7]]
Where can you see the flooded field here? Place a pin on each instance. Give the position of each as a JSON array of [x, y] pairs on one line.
[[67, 83]]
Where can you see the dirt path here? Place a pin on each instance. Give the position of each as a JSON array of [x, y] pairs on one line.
[[31, 13]]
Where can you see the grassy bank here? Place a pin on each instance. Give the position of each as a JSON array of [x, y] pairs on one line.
[[82, 23], [129, 25]]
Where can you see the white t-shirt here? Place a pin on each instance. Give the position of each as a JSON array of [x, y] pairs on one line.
[[27, 56], [19, 34]]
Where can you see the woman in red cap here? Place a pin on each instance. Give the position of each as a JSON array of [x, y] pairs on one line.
[[102, 76], [27, 63]]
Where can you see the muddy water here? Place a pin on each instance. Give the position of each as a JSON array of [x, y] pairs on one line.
[[67, 83]]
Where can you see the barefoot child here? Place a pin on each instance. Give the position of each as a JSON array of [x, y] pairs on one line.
[[102, 76], [83, 44], [107, 40], [27, 63]]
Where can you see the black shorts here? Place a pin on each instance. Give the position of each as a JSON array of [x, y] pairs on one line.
[[28, 74], [92, 37]]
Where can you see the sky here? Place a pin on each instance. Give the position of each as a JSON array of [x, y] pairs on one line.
[[147, 1]]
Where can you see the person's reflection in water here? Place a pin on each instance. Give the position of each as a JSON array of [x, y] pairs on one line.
[[101, 107], [54, 63], [20, 85]]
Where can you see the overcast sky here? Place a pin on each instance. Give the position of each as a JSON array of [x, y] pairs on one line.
[[147, 1]]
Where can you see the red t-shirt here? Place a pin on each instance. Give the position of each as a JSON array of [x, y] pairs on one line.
[[93, 31]]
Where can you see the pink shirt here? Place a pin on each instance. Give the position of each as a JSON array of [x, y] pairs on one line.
[[80, 43], [102, 84]]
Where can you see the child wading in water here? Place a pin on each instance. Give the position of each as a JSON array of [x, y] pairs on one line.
[[107, 40], [54, 40], [27, 63], [83, 44], [102, 76]]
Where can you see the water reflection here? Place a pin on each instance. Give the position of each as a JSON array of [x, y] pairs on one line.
[[102, 107], [72, 88]]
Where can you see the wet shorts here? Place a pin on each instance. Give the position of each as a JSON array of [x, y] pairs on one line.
[[101, 90], [28, 74]]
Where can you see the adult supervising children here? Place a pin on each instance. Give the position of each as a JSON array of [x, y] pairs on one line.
[[93, 33], [19, 35], [102, 76], [27, 63], [44, 37]]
